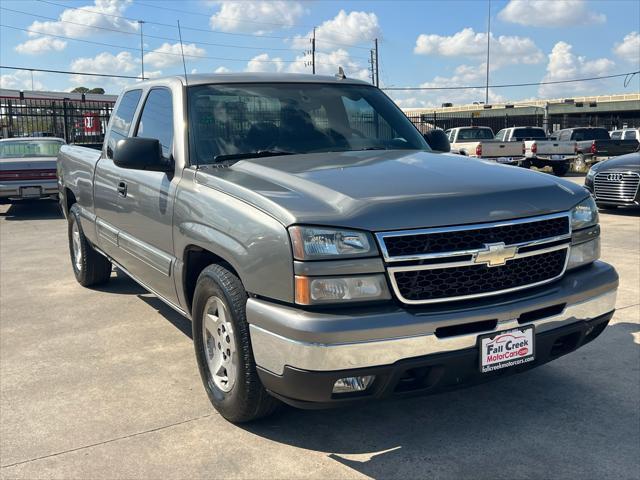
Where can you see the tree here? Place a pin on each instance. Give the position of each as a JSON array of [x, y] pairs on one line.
[[99, 90], [80, 90]]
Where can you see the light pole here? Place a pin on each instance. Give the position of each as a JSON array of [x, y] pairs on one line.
[[486, 92]]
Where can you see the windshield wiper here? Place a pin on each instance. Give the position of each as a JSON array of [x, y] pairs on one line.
[[244, 155]]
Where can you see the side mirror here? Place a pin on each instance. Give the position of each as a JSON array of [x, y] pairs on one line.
[[438, 140], [139, 153]]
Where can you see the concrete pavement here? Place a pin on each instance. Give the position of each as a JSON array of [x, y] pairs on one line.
[[103, 384]]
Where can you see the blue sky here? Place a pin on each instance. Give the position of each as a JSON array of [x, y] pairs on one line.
[[428, 43]]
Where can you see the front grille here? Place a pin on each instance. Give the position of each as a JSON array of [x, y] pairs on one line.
[[445, 283], [462, 262], [407, 245], [616, 186]]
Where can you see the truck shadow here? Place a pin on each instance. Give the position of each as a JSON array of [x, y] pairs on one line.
[[32, 210], [575, 417]]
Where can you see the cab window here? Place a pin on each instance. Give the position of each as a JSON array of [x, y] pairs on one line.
[[156, 120], [122, 118]]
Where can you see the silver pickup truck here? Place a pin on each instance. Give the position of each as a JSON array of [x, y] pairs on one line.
[[324, 253]]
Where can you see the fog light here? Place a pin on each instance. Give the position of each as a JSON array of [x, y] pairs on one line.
[[353, 384]]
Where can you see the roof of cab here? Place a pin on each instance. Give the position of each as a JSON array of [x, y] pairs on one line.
[[203, 79]]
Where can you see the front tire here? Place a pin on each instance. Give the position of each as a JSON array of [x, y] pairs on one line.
[[89, 267], [223, 348]]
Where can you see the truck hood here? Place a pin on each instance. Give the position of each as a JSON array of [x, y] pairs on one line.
[[391, 189]]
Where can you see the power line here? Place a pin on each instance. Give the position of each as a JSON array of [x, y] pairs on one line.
[[71, 73], [146, 34], [508, 85], [153, 51], [252, 35]]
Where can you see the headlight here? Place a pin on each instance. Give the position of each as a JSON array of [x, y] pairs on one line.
[[584, 253], [322, 290], [584, 215], [316, 243]]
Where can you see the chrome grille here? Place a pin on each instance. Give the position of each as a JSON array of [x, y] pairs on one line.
[[512, 255], [616, 186]]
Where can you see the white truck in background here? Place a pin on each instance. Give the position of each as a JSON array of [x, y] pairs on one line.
[[539, 150], [479, 142]]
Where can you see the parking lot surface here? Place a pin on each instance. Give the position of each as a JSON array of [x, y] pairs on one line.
[[103, 384]]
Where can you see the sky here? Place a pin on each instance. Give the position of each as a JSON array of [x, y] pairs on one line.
[[432, 43]]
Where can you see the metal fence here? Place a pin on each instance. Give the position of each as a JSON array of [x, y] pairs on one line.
[[446, 120], [77, 121]]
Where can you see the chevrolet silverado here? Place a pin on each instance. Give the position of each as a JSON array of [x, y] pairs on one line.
[[323, 252], [479, 142]]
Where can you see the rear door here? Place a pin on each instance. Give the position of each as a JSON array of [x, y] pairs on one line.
[[145, 223]]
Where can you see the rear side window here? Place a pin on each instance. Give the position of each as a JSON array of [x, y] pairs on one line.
[[617, 135], [630, 135], [122, 118], [156, 120]]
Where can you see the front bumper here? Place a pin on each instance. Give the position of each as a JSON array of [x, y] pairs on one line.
[[287, 339]]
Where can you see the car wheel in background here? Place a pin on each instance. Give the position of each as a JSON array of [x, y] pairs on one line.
[[580, 164], [560, 170], [223, 348], [89, 266]]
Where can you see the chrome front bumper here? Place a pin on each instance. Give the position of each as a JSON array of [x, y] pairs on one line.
[[319, 347]]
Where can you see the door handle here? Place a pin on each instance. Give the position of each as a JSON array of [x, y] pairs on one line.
[[122, 189]]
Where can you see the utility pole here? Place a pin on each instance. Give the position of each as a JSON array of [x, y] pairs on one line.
[[373, 73], [377, 72], [140, 22], [313, 52], [486, 92], [32, 81]]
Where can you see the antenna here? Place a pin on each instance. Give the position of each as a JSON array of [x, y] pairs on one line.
[[340, 75], [184, 65]]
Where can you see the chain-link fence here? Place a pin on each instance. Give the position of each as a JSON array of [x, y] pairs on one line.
[[77, 121]]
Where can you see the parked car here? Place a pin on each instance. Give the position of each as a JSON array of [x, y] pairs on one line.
[[479, 142], [625, 134], [539, 151], [323, 252], [614, 183], [594, 145], [28, 168]]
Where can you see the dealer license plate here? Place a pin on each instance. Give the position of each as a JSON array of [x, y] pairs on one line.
[[30, 192], [507, 348], [504, 159]]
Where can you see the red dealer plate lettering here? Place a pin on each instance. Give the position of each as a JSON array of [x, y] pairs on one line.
[[507, 348]]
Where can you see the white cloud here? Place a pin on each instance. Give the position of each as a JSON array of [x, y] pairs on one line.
[[100, 14], [21, 80], [168, 55], [546, 13], [123, 63], [264, 63], [565, 65], [255, 16], [345, 28], [468, 43], [40, 45], [463, 75], [222, 70], [629, 48]]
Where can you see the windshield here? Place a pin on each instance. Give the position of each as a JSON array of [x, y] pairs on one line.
[[236, 120], [528, 134], [29, 148], [475, 134]]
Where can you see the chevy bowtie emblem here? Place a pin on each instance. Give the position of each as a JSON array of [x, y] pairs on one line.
[[495, 254]]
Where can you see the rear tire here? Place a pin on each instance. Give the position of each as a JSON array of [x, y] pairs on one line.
[[89, 266], [560, 170], [223, 348]]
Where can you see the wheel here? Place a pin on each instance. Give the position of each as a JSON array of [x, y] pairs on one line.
[[579, 164], [89, 267], [560, 170], [223, 348]]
